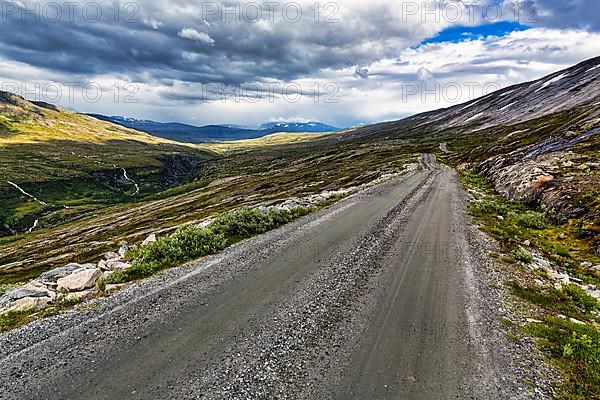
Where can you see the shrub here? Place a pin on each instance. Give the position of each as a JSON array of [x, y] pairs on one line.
[[576, 349], [521, 254], [530, 219], [490, 207], [193, 242], [190, 242], [580, 297]]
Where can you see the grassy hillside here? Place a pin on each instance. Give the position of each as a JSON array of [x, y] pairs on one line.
[[74, 164]]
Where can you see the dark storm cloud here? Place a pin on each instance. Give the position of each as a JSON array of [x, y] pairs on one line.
[[159, 41], [161, 44], [581, 14]]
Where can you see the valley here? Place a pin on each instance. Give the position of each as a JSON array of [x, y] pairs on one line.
[[507, 184]]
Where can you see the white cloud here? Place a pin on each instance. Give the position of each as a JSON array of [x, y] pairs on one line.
[[153, 23], [192, 34], [424, 75], [501, 61]]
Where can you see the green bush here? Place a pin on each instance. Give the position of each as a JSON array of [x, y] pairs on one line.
[[190, 242], [194, 242], [522, 255], [490, 207], [530, 219], [576, 349], [580, 297]]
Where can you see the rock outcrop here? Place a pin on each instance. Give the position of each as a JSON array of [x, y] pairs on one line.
[[71, 282], [79, 280]]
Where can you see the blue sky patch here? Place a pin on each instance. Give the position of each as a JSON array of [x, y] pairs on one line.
[[457, 34]]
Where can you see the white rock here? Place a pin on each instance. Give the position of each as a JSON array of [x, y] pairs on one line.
[[149, 239], [111, 255], [102, 265], [79, 280], [114, 286], [27, 303], [539, 262], [111, 265], [586, 264], [106, 274], [123, 250], [594, 293]]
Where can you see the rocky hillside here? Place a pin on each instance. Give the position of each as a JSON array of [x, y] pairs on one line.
[[571, 88], [538, 142]]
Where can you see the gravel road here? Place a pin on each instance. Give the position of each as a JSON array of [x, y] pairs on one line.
[[380, 296]]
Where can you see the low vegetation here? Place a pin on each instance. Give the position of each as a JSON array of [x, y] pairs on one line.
[[186, 243], [190, 241], [15, 319], [566, 324], [520, 229]]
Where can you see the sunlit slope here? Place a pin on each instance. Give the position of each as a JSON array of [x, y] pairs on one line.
[[74, 163]]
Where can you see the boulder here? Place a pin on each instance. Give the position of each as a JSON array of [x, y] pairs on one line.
[[32, 289], [150, 239], [79, 280], [118, 265], [20, 293], [26, 304], [55, 274]]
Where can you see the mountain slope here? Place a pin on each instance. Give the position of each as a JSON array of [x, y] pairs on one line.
[[75, 163], [537, 142], [210, 133], [564, 90]]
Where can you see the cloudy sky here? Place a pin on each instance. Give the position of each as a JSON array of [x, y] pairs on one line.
[[340, 62]]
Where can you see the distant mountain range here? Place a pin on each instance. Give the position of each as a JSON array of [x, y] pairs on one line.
[[211, 133]]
